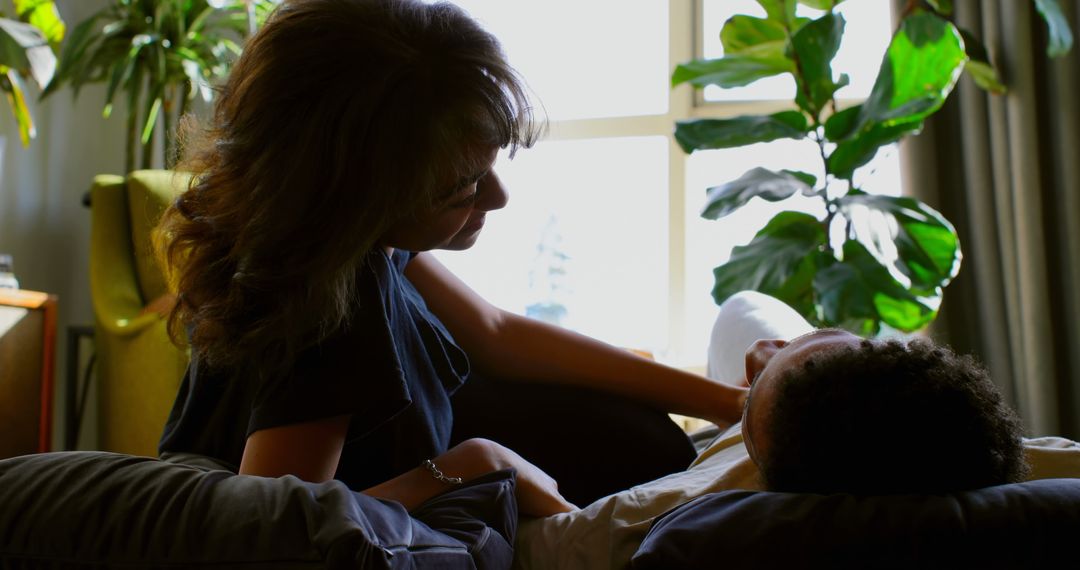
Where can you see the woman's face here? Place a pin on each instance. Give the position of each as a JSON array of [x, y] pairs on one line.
[[455, 220], [766, 361]]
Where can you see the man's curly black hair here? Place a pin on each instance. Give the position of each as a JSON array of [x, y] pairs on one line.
[[889, 418]]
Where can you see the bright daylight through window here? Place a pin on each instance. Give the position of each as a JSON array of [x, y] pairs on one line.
[[603, 232]]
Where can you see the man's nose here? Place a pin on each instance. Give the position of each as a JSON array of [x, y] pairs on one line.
[[493, 194]]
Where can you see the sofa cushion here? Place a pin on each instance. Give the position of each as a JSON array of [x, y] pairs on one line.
[[94, 509], [149, 192], [1023, 525]]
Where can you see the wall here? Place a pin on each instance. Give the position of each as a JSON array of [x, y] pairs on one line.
[[42, 221]]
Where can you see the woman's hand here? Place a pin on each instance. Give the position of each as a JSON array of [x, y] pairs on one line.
[[729, 403]]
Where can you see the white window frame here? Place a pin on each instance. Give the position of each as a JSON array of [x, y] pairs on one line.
[[684, 102]]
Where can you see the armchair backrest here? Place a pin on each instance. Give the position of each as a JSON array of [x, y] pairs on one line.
[[149, 192], [139, 369]]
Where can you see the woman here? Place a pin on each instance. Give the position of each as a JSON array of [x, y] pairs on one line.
[[353, 137]]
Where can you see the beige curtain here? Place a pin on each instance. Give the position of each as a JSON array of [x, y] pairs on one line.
[[1006, 171]]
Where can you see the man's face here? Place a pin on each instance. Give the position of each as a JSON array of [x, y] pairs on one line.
[[766, 361]]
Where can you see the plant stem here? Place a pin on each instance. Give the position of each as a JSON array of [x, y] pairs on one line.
[[148, 152], [251, 18], [132, 136], [185, 98], [185, 103], [830, 207], [167, 128], [820, 139]]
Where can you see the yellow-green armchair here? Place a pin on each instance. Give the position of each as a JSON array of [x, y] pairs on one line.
[[139, 369]]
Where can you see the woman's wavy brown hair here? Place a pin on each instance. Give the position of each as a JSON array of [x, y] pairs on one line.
[[340, 118]]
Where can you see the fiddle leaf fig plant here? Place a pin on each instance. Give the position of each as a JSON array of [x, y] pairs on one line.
[[868, 260]]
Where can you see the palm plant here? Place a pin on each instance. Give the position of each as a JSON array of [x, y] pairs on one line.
[[162, 55], [27, 53]]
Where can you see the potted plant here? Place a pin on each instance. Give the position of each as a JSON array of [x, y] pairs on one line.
[[896, 253], [161, 54], [28, 45]]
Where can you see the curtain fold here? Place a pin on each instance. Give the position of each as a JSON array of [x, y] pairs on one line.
[[1005, 169]]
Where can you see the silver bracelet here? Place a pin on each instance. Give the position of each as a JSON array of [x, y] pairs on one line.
[[438, 475]]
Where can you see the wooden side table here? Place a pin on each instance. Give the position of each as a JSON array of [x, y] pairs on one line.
[[27, 349]]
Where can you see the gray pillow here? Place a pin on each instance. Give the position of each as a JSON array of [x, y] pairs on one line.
[[1022, 525], [97, 509]]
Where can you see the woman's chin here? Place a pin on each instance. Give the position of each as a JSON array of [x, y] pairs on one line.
[[461, 243]]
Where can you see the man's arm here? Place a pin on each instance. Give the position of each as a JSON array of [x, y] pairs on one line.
[[505, 345]]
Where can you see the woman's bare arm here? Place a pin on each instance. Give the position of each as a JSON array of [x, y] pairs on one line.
[[505, 345], [537, 493], [312, 450], [308, 450]]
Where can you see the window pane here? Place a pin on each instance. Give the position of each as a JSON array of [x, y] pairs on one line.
[[583, 241], [866, 37], [709, 242], [601, 58]]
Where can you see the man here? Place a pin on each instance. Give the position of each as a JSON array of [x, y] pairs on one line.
[[923, 445], [830, 412]]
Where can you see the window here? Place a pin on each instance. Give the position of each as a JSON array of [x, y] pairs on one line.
[[602, 233]]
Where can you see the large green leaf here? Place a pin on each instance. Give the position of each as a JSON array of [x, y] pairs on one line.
[[199, 21], [1057, 25], [106, 55], [42, 14], [780, 11], [844, 299], [920, 68], [927, 249], [943, 7], [702, 134], [71, 54], [13, 90], [783, 12], [984, 75], [15, 38], [841, 124], [978, 65], [122, 71], [731, 71], [24, 49], [809, 180], [860, 288], [821, 4], [780, 260], [747, 35], [853, 153], [815, 46], [756, 183]]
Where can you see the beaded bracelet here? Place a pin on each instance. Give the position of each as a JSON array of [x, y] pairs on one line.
[[438, 475]]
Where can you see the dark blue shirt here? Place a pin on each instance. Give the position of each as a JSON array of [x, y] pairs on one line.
[[392, 369]]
